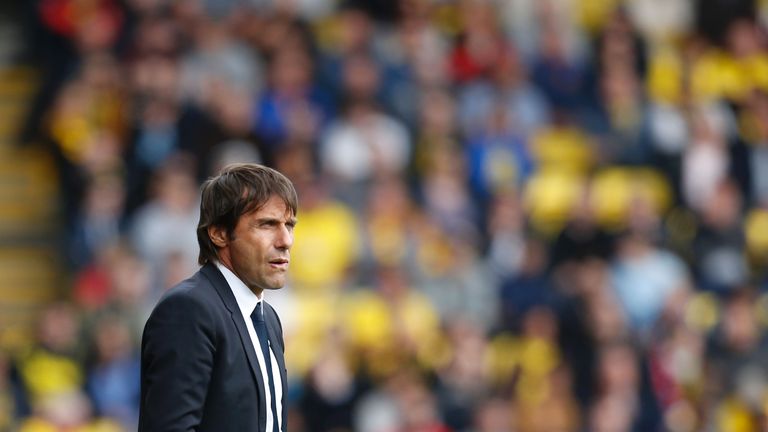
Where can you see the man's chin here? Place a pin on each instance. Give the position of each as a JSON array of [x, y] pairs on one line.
[[276, 285]]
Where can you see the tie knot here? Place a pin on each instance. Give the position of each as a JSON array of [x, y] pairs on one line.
[[258, 313]]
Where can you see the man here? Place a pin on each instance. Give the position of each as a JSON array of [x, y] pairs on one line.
[[204, 346]]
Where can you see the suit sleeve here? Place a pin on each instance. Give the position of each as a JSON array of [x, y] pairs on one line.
[[177, 353]]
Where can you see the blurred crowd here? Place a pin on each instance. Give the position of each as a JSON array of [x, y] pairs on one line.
[[515, 215]]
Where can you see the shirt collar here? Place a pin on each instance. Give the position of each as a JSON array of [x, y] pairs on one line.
[[246, 299]]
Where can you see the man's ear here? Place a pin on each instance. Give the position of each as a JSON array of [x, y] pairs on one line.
[[218, 235]]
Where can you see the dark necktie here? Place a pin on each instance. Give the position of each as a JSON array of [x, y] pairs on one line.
[[261, 331]]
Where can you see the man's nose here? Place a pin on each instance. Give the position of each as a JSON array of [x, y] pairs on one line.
[[284, 238]]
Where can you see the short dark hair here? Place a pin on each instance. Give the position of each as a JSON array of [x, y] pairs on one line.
[[238, 189]]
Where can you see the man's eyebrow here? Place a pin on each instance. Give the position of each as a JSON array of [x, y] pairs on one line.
[[262, 220]]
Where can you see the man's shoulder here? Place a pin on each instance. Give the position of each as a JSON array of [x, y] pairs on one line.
[[190, 295], [188, 313], [196, 286]]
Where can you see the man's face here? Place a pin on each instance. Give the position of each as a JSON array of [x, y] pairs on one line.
[[258, 251]]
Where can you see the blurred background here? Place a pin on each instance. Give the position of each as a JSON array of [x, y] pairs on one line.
[[515, 215]]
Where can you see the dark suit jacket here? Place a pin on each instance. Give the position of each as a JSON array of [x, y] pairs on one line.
[[199, 370]]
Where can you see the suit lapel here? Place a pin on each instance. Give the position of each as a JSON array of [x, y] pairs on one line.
[[245, 339], [228, 298], [273, 329]]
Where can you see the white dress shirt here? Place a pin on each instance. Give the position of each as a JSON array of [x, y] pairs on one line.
[[247, 301]]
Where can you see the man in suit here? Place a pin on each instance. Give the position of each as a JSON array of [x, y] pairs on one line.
[[204, 346]]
